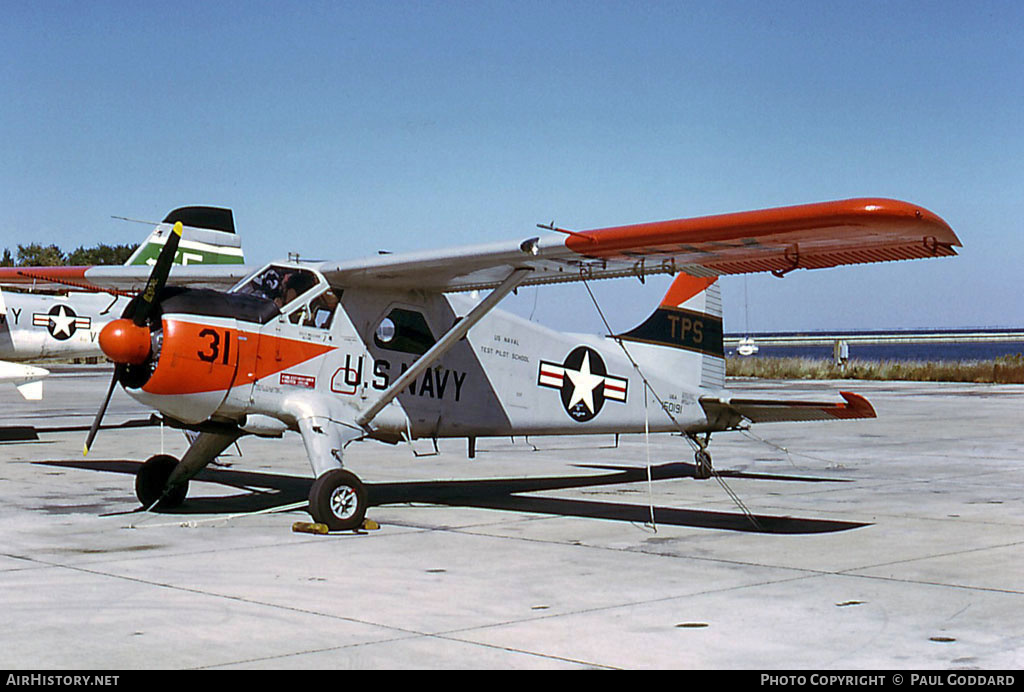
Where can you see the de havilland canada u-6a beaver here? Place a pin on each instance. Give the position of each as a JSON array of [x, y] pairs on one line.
[[399, 347]]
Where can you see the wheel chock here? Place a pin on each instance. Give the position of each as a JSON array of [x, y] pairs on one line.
[[323, 530], [307, 527]]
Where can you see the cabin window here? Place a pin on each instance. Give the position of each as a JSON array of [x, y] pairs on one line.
[[385, 331], [405, 331]]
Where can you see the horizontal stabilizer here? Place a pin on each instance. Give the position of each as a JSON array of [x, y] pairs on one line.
[[31, 391], [724, 414], [27, 378]]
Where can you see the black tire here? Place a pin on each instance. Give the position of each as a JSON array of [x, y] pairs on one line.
[[338, 499], [702, 468], [151, 479]]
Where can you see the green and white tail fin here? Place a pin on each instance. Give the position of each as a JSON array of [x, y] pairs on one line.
[[683, 337], [208, 238]]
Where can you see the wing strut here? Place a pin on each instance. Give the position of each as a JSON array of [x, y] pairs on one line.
[[450, 338]]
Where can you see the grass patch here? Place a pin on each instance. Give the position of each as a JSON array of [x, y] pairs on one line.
[[1002, 370]]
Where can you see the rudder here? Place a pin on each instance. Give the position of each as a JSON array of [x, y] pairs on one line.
[[209, 238]]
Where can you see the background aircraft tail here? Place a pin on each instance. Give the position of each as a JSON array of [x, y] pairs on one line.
[[683, 337], [27, 378], [208, 238]]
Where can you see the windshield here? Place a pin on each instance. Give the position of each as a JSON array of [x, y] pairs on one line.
[[279, 284]]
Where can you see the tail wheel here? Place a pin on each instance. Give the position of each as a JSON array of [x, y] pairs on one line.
[[702, 468], [338, 499], [151, 481]]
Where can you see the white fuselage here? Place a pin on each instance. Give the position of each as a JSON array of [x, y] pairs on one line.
[[508, 376], [40, 327]]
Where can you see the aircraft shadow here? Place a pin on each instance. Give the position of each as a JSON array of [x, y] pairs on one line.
[[266, 491]]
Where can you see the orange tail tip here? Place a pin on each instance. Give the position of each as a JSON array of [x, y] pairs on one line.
[[685, 287]]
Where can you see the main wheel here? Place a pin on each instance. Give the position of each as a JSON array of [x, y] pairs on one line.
[[338, 499], [702, 468], [151, 480]]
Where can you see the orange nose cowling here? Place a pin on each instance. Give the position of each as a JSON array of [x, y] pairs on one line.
[[125, 342]]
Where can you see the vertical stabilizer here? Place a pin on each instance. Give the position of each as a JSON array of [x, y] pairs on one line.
[[683, 337], [208, 238]]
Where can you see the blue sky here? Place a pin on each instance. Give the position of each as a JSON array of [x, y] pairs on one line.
[[334, 129]]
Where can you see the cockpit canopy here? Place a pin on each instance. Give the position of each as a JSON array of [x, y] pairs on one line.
[[301, 294], [280, 283]]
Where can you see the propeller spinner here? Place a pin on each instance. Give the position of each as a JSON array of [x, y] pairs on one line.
[[126, 341]]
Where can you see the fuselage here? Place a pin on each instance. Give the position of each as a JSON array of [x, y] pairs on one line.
[[344, 348], [39, 327]]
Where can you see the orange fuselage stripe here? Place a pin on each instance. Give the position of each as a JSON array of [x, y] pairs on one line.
[[199, 357]]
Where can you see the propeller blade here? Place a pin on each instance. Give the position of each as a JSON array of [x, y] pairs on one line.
[[157, 280], [158, 277], [118, 369]]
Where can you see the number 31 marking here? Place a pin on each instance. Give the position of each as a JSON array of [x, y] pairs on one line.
[[213, 348]]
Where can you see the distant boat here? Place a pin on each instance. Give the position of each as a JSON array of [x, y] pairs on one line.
[[746, 345]]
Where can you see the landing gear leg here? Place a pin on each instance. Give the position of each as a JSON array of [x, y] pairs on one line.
[[703, 468], [338, 497], [163, 480]]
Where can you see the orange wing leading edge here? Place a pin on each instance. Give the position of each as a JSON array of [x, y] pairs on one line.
[[807, 236]]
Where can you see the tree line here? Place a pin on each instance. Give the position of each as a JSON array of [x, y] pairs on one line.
[[37, 255]]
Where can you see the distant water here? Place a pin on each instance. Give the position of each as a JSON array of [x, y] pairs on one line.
[[906, 352]]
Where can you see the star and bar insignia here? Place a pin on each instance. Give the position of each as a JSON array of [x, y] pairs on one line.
[[61, 321], [584, 383]]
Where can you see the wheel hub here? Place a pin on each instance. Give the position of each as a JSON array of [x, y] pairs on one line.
[[344, 502]]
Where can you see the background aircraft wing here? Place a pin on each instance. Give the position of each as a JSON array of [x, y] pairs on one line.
[[723, 414], [123, 277], [809, 236]]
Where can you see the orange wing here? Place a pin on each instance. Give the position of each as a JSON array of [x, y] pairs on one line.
[[809, 236]]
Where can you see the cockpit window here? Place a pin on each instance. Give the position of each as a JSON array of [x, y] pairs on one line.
[[321, 310], [279, 284], [318, 313]]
